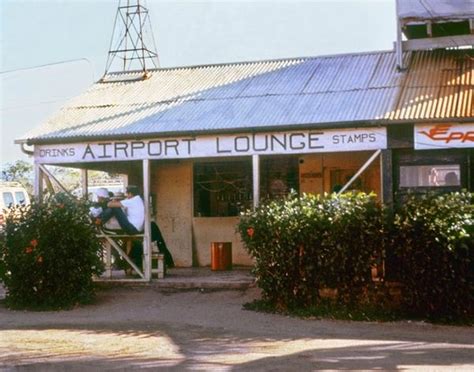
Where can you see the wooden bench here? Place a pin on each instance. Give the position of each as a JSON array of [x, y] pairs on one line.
[[110, 241]]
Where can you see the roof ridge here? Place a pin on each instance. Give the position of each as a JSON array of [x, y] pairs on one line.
[[288, 59]]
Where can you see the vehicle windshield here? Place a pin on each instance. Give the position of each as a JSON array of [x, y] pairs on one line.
[[8, 200], [20, 197]]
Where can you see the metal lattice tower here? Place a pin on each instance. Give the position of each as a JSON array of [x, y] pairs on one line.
[[132, 46]]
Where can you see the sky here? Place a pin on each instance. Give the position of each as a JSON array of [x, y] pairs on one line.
[[51, 51]]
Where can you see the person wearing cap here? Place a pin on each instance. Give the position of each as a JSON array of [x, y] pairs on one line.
[[130, 212], [102, 195]]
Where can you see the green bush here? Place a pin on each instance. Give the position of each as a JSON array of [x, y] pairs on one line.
[[48, 254], [304, 244], [433, 242]]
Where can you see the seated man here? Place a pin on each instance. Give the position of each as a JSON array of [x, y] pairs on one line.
[[102, 195], [130, 212]]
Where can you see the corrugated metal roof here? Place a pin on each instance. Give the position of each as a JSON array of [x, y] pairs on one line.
[[319, 91], [436, 9], [439, 85]]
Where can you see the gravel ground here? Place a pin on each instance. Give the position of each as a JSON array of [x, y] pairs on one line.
[[145, 327]]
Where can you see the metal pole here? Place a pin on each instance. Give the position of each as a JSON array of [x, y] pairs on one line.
[[256, 180], [147, 232], [140, 36], [398, 43]]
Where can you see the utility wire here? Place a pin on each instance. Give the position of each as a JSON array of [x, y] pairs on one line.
[[34, 104], [38, 67], [50, 64]]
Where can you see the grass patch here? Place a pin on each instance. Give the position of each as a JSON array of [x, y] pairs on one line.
[[329, 310]]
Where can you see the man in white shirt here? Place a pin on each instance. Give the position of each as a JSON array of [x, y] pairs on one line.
[[130, 212]]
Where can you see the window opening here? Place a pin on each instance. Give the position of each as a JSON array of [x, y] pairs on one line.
[[279, 175], [222, 189], [441, 175]]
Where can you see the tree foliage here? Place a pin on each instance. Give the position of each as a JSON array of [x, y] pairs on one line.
[[19, 171], [48, 254]]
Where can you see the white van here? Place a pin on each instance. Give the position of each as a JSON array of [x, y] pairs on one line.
[[11, 194]]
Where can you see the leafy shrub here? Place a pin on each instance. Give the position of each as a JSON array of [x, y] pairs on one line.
[[48, 254], [304, 244], [433, 242]]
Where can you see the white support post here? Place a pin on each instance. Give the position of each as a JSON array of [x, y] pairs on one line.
[[108, 259], [38, 186], [429, 28], [256, 180], [147, 232], [85, 184]]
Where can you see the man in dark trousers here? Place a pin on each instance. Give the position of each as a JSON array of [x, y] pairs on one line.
[[157, 237], [130, 212]]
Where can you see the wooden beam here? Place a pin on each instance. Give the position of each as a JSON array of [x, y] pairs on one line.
[[121, 252], [438, 42], [51, 177]]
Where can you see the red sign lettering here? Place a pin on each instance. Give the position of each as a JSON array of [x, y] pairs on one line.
[[442, 133]]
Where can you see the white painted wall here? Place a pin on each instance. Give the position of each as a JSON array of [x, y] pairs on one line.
[[218, 229], [172, 185]]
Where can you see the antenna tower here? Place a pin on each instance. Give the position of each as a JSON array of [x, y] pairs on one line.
[[131, 40]]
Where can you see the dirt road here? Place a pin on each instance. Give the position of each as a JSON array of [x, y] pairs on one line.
[[132, 328]]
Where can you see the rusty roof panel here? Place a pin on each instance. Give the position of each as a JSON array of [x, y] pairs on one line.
[[439, 85]]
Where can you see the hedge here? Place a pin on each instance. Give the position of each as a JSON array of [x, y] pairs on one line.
[[304, 245], [433, 243]]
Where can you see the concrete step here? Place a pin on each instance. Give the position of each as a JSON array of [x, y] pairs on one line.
[[196, 278]]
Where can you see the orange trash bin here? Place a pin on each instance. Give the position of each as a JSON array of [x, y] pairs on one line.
[[221, 256]]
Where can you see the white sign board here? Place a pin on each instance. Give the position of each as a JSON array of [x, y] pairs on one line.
[[444, 136], [294, 142]]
